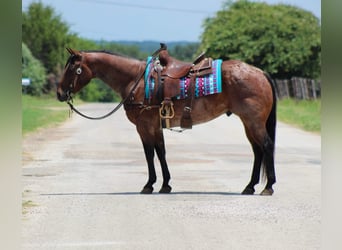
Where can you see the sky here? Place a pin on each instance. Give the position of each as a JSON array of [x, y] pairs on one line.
[[141, 20]]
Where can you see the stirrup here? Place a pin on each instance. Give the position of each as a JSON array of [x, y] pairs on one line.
[[166, 111]]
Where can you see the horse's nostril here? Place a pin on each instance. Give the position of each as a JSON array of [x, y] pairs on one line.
[[61, 97]]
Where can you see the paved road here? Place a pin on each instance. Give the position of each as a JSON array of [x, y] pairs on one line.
[[81, 184]]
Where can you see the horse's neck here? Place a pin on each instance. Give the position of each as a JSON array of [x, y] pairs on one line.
[[116, 71]]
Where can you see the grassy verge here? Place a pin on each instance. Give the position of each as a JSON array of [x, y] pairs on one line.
[[41, 112], [304, 114]]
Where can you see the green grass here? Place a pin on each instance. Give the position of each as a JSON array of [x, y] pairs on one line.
[[41, 112], [304, 114]]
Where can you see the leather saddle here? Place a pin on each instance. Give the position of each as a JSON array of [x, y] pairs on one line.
[[172, 70], [169, 71]]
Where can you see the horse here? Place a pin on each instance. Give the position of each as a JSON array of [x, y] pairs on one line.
[[247, 92]]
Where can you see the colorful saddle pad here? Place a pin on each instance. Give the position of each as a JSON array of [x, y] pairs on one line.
[[205, 85]]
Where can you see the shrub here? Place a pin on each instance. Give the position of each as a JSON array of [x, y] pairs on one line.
[[34, 70]]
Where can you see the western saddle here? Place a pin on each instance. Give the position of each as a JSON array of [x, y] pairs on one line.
[[169, 70]]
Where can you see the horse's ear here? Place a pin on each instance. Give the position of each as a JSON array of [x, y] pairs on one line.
[[72, 51], [69, 50]]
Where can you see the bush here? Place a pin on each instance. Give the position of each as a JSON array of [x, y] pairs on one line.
[[34, 70], [97, 91], [283, 40], [46, 34]]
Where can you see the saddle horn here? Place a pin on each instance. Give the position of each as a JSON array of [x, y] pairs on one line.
[[163, 46]]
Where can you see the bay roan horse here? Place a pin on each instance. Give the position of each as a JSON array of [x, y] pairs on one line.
[[247, 92]]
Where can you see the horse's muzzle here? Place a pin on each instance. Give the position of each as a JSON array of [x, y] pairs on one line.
[[62, 96]]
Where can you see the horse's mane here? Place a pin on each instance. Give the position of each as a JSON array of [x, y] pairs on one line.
[[107, 52], [71, 57]]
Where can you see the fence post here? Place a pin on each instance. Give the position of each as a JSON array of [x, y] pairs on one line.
[[298, 88], [305, 88], [313, 89]]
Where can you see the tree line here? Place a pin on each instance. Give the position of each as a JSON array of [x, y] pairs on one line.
[[283, 40]]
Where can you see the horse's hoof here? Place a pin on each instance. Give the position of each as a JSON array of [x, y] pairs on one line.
[[248, 191], [147, 190], [267, 191], [165, 190]]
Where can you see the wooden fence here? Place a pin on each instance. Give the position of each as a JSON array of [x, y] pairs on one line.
[[298, 88]]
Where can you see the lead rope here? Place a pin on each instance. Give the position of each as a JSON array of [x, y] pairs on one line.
[[94, 118]]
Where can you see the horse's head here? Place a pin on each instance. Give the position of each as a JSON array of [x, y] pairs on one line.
[[76, 75]]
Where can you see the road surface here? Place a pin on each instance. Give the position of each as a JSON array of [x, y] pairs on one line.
[[81, 184]]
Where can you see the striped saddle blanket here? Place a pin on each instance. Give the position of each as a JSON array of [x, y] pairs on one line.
[[205, 85]]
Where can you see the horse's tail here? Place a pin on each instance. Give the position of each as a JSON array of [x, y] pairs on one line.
[[272, 118], [269, 146]]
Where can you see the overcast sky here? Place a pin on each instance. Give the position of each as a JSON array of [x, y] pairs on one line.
[[140, 20]]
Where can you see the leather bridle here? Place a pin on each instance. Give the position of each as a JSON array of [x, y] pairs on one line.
[[73, 83]]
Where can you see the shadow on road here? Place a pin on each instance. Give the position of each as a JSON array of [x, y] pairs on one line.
[[138, 193]]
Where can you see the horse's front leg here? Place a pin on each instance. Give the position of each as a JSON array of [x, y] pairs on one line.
[[160, 149], [152, 177], [153, 139], [146, 128]]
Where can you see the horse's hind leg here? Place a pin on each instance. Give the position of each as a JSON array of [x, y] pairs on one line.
[[268, 162], [263, 149], [258, 155]]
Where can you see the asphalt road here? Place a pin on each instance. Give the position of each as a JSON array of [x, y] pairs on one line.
[[81, 184]]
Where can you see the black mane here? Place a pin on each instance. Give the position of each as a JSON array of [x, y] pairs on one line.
[[73, 57], [106, 52]]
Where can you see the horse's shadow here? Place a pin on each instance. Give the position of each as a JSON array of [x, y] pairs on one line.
[[199, 193]]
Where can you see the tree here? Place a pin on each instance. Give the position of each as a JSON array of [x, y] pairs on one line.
[[34, 70], [128, 50], [46, 35], [185, 52], [281, 39], [98, 91]]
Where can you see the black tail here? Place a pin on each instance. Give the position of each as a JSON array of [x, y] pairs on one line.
[[269, 144], [271, 122]]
